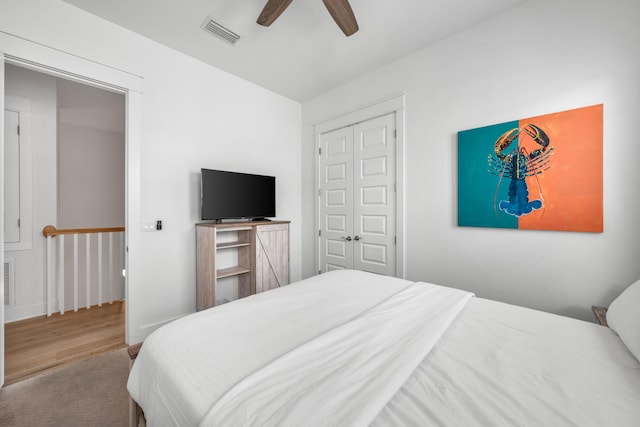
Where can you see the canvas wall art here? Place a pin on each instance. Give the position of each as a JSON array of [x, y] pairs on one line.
[[537, 173]]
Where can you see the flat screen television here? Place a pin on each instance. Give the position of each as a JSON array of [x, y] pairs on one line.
[[235, 195]]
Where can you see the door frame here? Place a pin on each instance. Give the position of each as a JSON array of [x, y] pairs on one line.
[[50, 60], [394, 104]]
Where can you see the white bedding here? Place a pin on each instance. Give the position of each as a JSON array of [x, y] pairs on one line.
[[504, 365], [228, 342], [345, 376], [495, 365]]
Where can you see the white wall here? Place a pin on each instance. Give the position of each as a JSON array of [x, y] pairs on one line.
[[542, 57], [193, 116], [91, 157], [29, 264], [92, 177]]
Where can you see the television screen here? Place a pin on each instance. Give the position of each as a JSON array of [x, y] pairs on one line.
[[227, 195]]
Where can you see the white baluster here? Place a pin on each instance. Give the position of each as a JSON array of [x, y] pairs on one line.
[[50, 281], [99, 269], [61, 273], [110, 268], [75, 272], [122, 272], [87, 252]]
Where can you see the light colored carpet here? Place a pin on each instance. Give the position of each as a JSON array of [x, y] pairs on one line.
[[88, 393]]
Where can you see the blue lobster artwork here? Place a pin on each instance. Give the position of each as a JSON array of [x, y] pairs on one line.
[[517, 164]]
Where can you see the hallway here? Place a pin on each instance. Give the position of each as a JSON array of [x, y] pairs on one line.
[[41, 343]]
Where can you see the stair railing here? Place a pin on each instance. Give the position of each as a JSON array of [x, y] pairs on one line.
[[54, 280]]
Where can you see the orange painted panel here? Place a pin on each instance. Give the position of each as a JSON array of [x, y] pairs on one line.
[[571, 188]]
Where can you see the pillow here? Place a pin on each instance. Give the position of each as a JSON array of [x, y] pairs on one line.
[[623, 317]]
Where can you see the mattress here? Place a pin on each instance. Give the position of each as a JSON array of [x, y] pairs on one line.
[[456, 360]]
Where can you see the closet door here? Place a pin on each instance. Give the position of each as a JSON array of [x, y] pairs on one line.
[[374, 196], [336, 199], [357, 197], [11, 177]]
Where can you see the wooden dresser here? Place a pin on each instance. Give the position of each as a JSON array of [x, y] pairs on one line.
[[253, 256]]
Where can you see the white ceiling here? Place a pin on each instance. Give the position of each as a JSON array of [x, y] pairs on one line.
[[302, 54]]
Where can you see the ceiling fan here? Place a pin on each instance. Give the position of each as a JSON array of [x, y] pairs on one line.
[[340, 10]]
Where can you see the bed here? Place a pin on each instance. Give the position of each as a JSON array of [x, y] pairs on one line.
[[349, 348]]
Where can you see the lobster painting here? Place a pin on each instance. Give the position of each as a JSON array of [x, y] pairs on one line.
[[512, 160], [517, 175]]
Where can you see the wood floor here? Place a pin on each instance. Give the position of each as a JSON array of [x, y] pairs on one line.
[[41, 343]]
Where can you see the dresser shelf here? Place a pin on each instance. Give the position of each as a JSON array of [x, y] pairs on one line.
[[232, 271], [232, 245]]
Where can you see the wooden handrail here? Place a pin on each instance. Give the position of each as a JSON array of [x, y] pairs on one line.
[[50, 230]]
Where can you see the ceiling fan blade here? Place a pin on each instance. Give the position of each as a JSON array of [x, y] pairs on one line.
[[341, 12], [271, 11]]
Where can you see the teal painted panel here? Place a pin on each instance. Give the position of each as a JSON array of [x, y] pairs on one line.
[[477, 196]]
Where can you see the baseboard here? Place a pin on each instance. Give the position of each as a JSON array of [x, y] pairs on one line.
[[15, 314], [146, 330]]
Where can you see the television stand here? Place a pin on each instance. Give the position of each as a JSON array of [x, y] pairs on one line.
[[251, 257], [259, 219]]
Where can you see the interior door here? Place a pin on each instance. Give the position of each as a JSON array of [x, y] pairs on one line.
[[357, 197], [336, 204], [374, 196], [11, 177]]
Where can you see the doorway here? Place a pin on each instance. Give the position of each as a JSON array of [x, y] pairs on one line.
[[51, 61], [360, 205], [70, 166]]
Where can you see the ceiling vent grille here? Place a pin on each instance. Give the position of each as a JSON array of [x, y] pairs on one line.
[[212, 27]]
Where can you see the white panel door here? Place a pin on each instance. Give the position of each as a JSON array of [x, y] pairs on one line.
[[11, 177], [357, 197], [336, 199], [374, 196]]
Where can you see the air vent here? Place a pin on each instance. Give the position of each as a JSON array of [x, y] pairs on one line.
[[212, 27], [9, 283]]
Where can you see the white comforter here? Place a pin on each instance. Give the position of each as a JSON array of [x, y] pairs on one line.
[[503, 365], [257, 358], [319, 352], [347, 375]]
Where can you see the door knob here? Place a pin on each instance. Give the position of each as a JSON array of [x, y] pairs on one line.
[[348, 238], [356, 238]]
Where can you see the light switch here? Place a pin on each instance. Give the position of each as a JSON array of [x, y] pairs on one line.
[[148, 225]]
